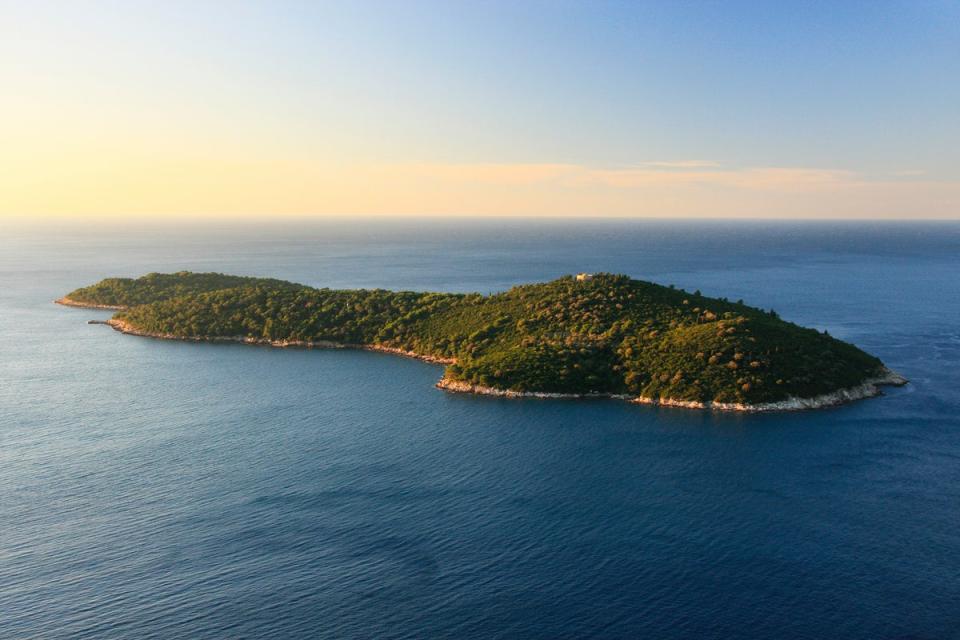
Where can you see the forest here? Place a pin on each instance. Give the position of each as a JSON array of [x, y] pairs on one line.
[[607, 334]]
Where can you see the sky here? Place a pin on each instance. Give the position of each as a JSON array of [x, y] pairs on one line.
[[677, 108]]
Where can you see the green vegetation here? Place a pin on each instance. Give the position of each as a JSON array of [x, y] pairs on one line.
[[153, 287], [610, 334]]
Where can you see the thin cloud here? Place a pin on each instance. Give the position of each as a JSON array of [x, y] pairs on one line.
[[680, 164], [580, 176], [909, 173]]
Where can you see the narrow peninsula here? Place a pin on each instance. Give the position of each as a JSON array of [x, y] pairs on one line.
[[586, 335]]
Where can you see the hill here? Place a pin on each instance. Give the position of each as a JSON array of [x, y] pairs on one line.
[[608, 335]]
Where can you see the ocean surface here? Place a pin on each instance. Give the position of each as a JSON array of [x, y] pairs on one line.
[[153, 489]]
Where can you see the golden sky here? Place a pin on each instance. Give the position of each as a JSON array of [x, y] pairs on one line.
[[123, 184]]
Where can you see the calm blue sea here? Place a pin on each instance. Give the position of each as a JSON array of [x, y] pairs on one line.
[[154, 489]]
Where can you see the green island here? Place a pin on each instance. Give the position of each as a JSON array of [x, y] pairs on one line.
[[584, 335]]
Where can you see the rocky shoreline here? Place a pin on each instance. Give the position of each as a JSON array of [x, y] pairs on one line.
[[67, 302], [868, 389], [459, 386], [125, 327]]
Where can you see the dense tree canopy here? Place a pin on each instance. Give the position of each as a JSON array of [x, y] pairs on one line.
[[609, 334]]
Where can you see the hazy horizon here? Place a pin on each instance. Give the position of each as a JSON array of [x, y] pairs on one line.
[[210, 222]]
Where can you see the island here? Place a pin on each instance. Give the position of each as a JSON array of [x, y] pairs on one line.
[[588, 335]]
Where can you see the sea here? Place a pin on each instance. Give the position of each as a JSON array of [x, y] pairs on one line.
[[158, 489]]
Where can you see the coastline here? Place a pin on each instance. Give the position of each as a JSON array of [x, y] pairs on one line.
[[125, 327], [459, 386], [67, 302], [868, 389]]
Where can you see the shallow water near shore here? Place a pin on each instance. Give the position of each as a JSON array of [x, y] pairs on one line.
[[159, 489]]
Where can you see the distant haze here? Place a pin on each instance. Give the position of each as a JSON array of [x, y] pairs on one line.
[[537, 108]]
